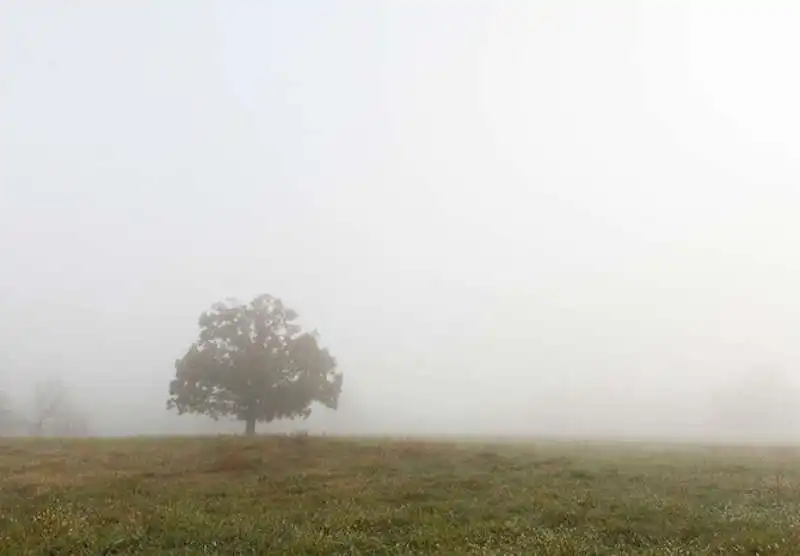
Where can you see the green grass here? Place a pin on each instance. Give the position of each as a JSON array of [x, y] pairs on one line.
[[309, 495]]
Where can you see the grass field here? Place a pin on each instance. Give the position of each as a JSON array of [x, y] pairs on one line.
[[283, 495]]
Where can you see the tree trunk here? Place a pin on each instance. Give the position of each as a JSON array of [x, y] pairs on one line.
[[250, 427]]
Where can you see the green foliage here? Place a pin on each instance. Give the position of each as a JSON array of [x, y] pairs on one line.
[[252, 362]]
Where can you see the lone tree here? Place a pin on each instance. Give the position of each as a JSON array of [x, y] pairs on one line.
[[253, 363]]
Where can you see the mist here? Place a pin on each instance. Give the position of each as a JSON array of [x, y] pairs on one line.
[[523, 218]]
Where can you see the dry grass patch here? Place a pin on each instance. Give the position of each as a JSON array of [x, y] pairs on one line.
[[306, 495]]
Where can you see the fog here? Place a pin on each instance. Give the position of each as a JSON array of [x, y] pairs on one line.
[[520, 218]]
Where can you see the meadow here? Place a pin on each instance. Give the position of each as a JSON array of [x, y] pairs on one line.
[[313, 495]]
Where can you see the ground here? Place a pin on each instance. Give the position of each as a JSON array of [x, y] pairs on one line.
[[305, 495]]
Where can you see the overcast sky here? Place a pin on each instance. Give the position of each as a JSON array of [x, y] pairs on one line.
[[527, 216]]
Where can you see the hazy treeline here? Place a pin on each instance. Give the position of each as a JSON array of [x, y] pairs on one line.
[[757, 405], [49, 410]]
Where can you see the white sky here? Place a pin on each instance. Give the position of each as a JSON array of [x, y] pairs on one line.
[[498, 215]]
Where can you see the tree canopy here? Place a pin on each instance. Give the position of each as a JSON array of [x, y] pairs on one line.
[[252, 362]]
